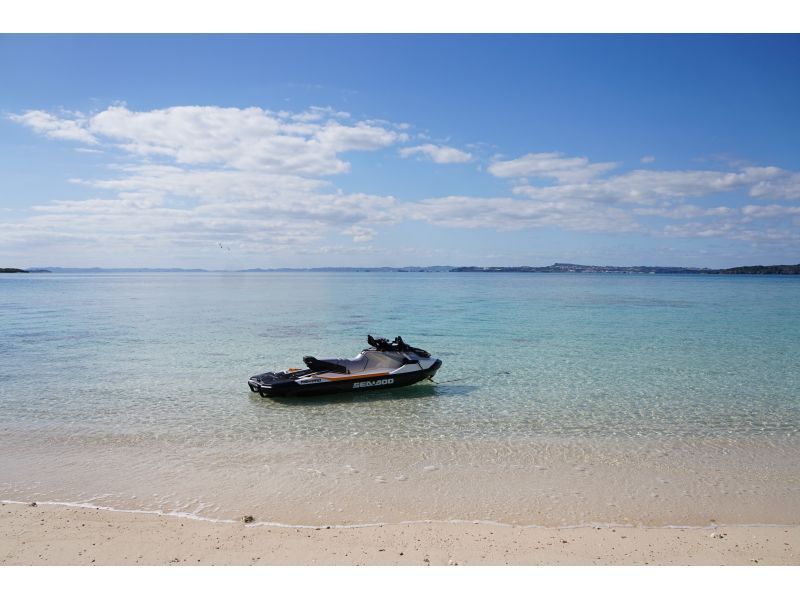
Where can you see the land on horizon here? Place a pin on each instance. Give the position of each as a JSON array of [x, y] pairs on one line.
[[558, 267]]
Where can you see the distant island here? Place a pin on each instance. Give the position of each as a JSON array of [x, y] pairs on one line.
[[580, 268], [20, 271]]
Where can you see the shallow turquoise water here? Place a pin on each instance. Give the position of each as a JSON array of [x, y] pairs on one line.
[[119, 387]]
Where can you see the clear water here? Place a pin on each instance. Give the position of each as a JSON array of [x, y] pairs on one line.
[[574, 398]]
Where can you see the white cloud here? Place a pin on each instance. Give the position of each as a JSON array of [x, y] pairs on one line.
[[731, 230], [51, 126], [618, 203], [315, 113], [255, 226], [88, 150], [552, 165], [699, 230], [441, 154], [239, 138], [360, 234], [254, 180], [647, 159], [770, 211], [206, 185], [348, 250], [247, 177], [361, 136], [507, 214], [781, 184], [683, 211], [648, 187]]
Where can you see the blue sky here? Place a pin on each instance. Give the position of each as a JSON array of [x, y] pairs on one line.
[[282, 150]]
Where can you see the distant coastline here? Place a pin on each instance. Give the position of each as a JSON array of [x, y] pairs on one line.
[[580, 268], [94, 270], [558, 267], [21, 271]]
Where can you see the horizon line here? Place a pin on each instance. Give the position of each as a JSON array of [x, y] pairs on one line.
[[394, 268]]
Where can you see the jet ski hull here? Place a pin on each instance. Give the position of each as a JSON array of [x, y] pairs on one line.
[[273, 385]]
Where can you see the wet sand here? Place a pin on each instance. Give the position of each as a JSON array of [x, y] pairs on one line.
[[551, 482], [61, 535]]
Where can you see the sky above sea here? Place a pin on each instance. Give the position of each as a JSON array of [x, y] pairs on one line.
[[230, 151]]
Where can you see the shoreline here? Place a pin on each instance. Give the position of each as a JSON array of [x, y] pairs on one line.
[[56, 534], [545, 483], [488, 522]]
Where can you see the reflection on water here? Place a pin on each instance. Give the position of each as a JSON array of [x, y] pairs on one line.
[[406, 394]]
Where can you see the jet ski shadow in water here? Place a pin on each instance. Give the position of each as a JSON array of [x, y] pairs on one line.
[[382, 366], [409, 393]]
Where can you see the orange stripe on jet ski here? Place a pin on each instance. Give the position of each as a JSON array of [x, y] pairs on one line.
[[345, 377]]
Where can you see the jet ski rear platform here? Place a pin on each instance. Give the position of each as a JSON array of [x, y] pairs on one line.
[[384, 365]]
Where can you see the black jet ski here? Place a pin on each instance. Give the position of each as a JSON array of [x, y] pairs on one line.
[[383, 365]]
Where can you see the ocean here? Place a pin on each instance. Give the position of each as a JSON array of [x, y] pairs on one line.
[[563, 399]]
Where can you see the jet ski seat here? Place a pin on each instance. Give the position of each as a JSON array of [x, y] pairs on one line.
[[321, 365], [367, 360]]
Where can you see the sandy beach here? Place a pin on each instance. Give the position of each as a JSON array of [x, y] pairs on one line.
[[61, 535]]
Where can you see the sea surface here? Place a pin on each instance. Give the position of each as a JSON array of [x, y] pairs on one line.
[[564, 399]]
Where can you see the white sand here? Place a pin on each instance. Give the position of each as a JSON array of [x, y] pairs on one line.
[[59, 535]]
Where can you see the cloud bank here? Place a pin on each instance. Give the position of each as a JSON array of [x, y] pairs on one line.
[[187, 178]]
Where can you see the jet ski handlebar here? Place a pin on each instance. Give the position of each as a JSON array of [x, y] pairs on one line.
[[383, 344]]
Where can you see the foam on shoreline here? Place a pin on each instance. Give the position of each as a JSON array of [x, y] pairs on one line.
[[316, 526]]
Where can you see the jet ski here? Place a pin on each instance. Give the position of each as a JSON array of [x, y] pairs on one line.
[[383, 364]]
